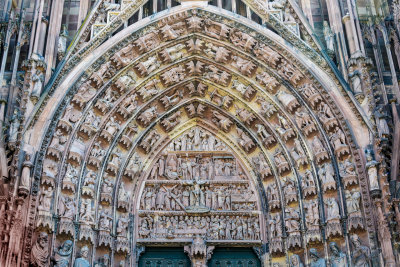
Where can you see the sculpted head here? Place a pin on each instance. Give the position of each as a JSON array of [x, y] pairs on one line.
[[43, 239]]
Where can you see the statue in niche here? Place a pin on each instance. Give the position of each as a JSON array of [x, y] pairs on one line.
[[332, 209], [360, 254], [355, 219], [216, 30], [122, 225], [105, 225], [223, 122], [82, 260], [244, 140], [63, 254], [173, 31], [270, 82], [148, 115], [327, 175], [288, 100], [245, 66], [312, 215], [334, 227], [289, 190], [267, 54], [372, 170], [219, 53], [122, 243], [148, 41], [106, 190], [57, 144], [147, 66], [246, 91], [89, 184], [295, 261], [281, 162], [319, 149], [124, 56], [308, 184], [242, 40], [148, 142], [348, 173], [67, 211], [172, 53], [329, 38], [149, 89], [353, 201], [339, 142], [71, 178], [316, 260], [40, 251], [14, 126], [217, 75], [86, 211], [265, 136], [355, 79], [92, 120], [305, 122], [25, 180], [85, 93], [169, 101], [45, 200], [267, 108], [284, 128], [326, 116], [338, 258], [244, 115], [37, 79], [123, 197], [298, 154], [262, 166], [174, 75]]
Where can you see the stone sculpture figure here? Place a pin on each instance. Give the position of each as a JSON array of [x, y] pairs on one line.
[[63, 254], [26, 174], [37, 79], [353, 201], [15, 123], [332, 209], [338, 258], [316, 260], [40, 251], [372, 170], [82, 260], [277, 4], [295, 261], [329, 37], [360, 254]]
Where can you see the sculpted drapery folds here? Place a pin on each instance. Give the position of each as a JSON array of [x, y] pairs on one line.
[[198, 127]]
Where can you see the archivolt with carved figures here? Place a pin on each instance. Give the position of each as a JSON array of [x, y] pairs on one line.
[[198, 127]]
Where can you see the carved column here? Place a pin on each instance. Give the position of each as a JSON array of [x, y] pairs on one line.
[[52, 37], [335, 21], [83, 9], [351, 38], [384, 236], [198, 252]]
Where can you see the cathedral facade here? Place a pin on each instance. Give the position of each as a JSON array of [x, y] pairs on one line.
[[199, 133]]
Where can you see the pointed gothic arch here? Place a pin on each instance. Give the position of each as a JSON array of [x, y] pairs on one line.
[[287, 120]]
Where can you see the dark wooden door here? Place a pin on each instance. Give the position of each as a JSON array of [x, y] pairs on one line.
[[164, 257], [234, 257]]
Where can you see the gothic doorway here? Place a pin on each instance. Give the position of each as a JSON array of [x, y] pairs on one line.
[[164, 257], [234, 257]]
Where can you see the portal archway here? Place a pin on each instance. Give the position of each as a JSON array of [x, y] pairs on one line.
[[112, 148]]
